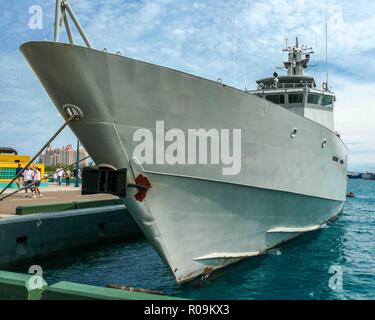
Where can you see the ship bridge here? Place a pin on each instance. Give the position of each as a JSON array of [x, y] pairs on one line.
[[296, 92]]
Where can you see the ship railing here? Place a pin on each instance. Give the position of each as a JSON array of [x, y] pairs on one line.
[[287, 86]]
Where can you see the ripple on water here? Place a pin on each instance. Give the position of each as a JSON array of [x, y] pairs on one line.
[[297, 270]]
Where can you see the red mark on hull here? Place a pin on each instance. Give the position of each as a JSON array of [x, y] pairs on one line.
[[143, 186]]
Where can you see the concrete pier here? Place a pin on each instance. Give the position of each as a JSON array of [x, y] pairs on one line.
[[51, 195], [37, 227], [27, 237]]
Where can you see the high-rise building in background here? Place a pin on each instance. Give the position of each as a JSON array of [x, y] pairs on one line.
[[63, 156]]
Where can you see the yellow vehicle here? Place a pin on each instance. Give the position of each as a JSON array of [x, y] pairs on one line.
[[9, 160]]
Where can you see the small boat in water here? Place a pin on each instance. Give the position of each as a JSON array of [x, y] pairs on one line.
[[368, 176], [354, 175]]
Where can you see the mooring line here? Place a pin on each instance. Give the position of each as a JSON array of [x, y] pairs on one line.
[[49, 176], [72, 118]]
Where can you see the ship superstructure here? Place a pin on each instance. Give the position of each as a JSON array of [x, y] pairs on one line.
[[296, 91]]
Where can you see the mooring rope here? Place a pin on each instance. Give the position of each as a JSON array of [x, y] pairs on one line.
[[72, 118]]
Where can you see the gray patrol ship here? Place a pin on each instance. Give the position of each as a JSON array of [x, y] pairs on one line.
[[292, 178]]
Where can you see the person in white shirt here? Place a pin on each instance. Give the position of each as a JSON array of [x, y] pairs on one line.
[[59, 173], [36, 180], [28, 178]]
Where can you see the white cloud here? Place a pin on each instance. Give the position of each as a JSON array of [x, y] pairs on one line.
[[27, 116], [355, 114], [198, 37]]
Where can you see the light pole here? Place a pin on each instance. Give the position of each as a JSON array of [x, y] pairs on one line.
[[77, 166]]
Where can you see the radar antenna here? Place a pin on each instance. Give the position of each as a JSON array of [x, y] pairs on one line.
[[298, 58]]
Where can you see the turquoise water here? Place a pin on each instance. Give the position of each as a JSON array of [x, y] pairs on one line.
[[297, 270]]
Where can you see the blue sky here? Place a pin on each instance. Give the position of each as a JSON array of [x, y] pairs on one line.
[[198, 37]]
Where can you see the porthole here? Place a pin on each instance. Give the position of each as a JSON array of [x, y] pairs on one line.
[[324, 143], [294, 133]]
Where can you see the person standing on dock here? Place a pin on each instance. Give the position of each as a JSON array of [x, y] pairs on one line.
[[59, 173], [68, 175], [36, 180], [19, 180], [28, 178]]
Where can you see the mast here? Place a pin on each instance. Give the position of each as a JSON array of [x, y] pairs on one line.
[[62, 11], [298, 59], [234, 62], [327, 43]]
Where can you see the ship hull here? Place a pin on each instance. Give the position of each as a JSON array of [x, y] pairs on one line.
[[198, 219], [206, 225]]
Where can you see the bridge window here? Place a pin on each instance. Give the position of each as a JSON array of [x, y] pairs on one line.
[[313, 99], [296, 98], [277, 98], [327, 101]]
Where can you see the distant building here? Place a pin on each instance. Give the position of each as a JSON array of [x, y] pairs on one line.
[[65, 156]]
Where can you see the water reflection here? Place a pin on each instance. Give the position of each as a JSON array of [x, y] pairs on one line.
[[297, 270]]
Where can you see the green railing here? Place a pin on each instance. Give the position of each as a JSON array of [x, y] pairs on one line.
[[16, 286]]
